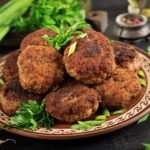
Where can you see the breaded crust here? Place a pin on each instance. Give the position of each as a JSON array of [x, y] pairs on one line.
[[118, 91], [10, 68], [12, 94], [93, 60], [126, 56], [40, 68], [35, 38], [72, 102]]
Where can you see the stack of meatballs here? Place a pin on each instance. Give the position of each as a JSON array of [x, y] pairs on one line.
[[98, 73]]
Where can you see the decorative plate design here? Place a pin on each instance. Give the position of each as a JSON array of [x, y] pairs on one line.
[[141, 108]]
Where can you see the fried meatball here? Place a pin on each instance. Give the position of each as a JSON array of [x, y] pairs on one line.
[[126, 56], [118, 91], [40, 68], [72, 102], [10, 68], [35, 38], [12, 94], [93, 59]]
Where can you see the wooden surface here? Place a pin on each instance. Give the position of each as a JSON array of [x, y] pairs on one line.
[[128, 138]]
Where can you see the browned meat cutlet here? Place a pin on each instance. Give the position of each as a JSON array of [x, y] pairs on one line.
[[12, 94], [118, 91], [72, 102], [35, 38], [93, 60], [126, 56], [10, 68], [40, 68]]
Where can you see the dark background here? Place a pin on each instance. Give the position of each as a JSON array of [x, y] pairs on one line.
[[128, 138]]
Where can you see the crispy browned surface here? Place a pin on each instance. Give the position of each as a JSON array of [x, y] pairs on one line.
[[93, 59], [11, 94], [10, 68], [35, 38], [72, 102], [126, 56], [40, 68], [118, 91]]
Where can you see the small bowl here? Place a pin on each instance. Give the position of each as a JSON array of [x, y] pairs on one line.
[[119, 21]]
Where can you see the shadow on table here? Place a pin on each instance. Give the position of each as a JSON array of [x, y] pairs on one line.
[[129, 138]]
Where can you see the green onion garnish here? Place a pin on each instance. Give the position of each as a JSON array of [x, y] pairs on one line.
[[118, 112]]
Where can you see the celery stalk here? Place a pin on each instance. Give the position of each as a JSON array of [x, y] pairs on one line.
[[7, 5], [13, 12], [10, 12]]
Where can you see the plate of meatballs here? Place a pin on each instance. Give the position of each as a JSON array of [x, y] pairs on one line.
[[99, 74]]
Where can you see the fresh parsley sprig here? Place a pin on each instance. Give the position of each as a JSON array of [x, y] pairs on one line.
[[48, 13], [31, 116]]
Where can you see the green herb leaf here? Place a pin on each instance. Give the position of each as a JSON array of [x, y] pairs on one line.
[[118, 112], [143, 118], [102, 117], [94, 122], [106, 112], [54, 28], [72, 49], [80, 127], [141, 73], [85, 125], [81, 36], [1, 82], [143, 82]]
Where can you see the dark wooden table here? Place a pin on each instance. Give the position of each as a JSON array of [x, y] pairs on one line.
[[128, 138]]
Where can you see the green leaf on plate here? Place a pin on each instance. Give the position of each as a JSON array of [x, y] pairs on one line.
[[81, 36], [94, 122], [72, 49], [118, 112], [85, 125], [106, 112], [31, 115], [1, 82], [141, 73], [101, 117], [143, 82]]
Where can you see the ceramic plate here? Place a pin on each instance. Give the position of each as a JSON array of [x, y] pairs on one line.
[[63, 131]]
